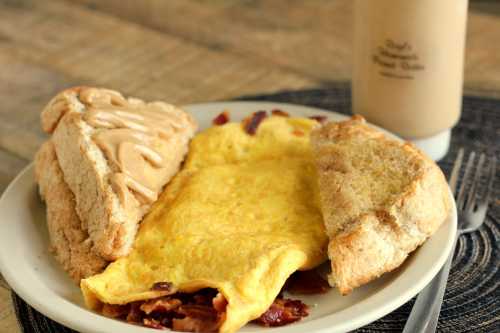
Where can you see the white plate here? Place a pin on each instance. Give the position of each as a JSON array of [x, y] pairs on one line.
[[35, 276]]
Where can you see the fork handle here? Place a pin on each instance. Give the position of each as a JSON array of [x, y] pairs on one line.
[[425, 312]]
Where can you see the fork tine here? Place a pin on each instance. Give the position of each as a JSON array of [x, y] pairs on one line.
[[465, 179], [456, 168], [471, 197], [489, 186]]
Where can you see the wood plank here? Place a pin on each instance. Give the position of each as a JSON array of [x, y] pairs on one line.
[[45, 47], [24, 89], [309, 37], [101, 49], [482, 71], [312, 38], [10, 166], [8, 321]]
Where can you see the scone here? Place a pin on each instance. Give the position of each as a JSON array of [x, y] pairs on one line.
[[380, 199], [116, 155], [69, 243]]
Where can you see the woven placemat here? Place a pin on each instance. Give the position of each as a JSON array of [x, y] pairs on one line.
[[472, 301]]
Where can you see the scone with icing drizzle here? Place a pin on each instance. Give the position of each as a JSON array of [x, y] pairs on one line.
[[116, 155]]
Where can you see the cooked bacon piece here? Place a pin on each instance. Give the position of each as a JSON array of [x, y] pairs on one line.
[[221, 119], [280, 113], [164, 286], [152, 323], [202, 311], [160, 305], [198, 311], [283, 312], [306, 283], [201, 297], [135, 314], [319, 119], [114, 310], [201, 300], [251, 123], [198, 318], [219, 302]]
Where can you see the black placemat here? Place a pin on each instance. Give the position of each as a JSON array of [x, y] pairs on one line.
[[472, 301]]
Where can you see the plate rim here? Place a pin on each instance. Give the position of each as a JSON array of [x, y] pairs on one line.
[[319, 325]]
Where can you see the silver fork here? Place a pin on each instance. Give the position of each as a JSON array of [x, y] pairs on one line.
[[471, 214]]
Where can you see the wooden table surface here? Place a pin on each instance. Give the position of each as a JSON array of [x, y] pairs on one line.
[[182, 52]]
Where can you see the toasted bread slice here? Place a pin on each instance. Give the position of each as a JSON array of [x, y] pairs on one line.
[[70, 244], [380, 198], [116, 155]]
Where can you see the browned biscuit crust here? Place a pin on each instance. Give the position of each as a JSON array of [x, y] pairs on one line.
[[111, 224], [70, 244], [381, 199]]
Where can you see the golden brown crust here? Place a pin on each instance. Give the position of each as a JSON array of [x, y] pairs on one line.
[[381, 199], [57, 108], [70, 244], [94, 197], [111, 224]]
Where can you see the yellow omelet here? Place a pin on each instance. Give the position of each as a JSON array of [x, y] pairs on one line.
[[276, 138], [241, 217]]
